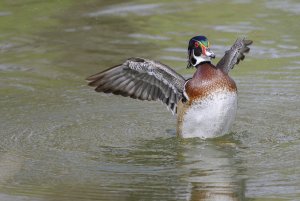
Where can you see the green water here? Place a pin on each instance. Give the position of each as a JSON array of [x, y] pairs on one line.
[[62, 141]]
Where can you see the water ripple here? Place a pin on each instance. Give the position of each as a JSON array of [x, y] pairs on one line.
[[148, 36], [125, 9], [242, 27], [287, 6]]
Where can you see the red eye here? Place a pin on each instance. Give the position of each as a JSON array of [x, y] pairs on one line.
[[196, 44]]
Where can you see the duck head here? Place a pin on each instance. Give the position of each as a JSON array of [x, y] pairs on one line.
[[199, 51]]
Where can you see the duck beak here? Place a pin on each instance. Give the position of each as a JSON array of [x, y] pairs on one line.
[[210, 53]]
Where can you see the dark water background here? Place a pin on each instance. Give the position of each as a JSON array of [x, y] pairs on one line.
[[62, 141]]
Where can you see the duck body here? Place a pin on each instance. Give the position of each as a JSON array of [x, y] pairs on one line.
[[211, 106], [205, 104]]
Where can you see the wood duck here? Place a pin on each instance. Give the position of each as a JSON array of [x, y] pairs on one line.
[[205, 104]]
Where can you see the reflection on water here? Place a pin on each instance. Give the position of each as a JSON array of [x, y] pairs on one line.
[[214, 173], [62, 141]]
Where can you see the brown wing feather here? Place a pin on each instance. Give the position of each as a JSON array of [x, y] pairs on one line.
[[141, 79], [234, 55]]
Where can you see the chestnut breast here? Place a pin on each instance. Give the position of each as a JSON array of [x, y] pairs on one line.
[[206, 80]]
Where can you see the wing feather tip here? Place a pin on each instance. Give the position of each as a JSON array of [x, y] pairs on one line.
[[247, 42]]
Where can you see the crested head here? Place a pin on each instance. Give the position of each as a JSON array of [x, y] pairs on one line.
[[198, 51]]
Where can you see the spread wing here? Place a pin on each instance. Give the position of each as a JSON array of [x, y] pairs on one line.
[[141, 79], [234, 55]]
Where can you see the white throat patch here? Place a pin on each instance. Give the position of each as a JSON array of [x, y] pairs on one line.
[[200, 59]]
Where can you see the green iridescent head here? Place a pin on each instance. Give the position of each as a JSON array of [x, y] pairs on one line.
[[198, 51]]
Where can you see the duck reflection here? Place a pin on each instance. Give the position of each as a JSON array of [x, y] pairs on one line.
[[213, 172], [176, 169]]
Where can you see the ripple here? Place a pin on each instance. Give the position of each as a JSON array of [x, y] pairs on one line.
[[173, 58], [244, 27], [287, 6], [175, 49], [5, 13], [267, 42], [267, 52], [296, 62], [83, 28], [148, 36], [125, 9], [290, 47], [70, 30], [17, 198], [12, 67], [6, 46], [241, 1]]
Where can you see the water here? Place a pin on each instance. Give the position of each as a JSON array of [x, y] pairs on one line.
[[62, 141]]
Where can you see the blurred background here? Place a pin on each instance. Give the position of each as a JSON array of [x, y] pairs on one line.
[[62, 141]]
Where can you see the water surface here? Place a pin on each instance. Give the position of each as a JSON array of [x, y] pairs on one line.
[[62, 141]]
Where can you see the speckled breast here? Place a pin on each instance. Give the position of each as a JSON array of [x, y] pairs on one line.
[[208, 117]]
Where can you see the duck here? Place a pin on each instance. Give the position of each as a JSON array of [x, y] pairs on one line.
[[205, 104]]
